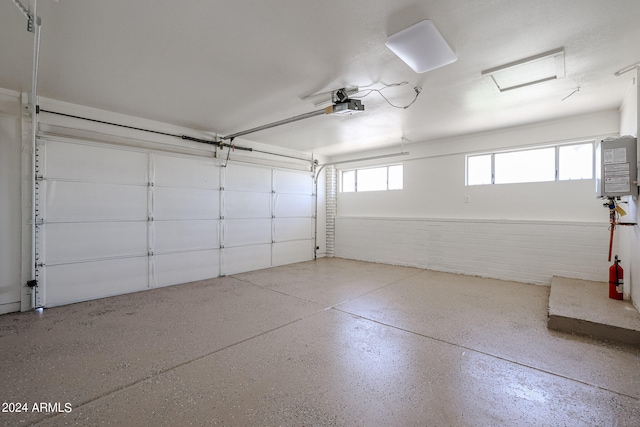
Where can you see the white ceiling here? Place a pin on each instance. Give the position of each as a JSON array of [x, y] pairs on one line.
[[229, 65]]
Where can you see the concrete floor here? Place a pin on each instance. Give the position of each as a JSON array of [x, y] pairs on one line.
[[330, 342]]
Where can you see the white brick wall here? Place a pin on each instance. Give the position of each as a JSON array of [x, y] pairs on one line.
[[523, 251], [332, 208]]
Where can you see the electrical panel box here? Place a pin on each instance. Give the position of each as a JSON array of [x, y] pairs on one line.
[[617, 167]]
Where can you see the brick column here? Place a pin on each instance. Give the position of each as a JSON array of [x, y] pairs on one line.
[[332, 208]]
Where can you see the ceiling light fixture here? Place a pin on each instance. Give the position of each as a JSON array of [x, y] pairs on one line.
[[421, 47], [528, 71]]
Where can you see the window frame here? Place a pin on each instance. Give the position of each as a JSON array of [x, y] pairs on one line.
[[355, 177], [531, 148]]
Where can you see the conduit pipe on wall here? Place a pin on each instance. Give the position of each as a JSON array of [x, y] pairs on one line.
[[614, 211]]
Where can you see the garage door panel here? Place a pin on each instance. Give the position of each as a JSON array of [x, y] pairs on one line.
[[79, 201], [173, 269], [69, 283], [290, 252], [173, 171], [247, 178], [186, 235], [186, 203], [293, 182], [246, 258], [241, 232], [293, 205], [107, 232], [292, 229], [96, 164], [69, 242], [247, 205]]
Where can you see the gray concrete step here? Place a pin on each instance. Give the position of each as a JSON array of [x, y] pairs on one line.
[[583, 307]]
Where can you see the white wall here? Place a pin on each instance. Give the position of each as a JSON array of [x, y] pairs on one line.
[[434, 179], [523, 251], [434, 188], [435, 193], [10, 201], [630, 236]]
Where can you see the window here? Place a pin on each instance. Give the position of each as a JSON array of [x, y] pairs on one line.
[[525, 166], [575, 161], [372, 179], [349, 181], [556, 163], [479, 169]]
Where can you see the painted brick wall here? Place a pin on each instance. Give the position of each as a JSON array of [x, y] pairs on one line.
[[332, 208], [523, 251]]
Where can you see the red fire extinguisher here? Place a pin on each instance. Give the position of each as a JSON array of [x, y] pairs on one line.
[[616, 274]]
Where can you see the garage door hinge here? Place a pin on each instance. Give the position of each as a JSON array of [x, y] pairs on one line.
[[39, 178], [40, 221], [150, 184], [150, 253], [32, 283], [40, 264], [151, 219]]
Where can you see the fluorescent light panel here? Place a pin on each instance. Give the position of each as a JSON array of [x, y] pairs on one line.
[[529, 71], [421, 47]]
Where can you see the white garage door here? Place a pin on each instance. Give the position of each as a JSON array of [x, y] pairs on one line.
[[185, 219], [293, 217], [93, 205], [115, 219], [267, 217]]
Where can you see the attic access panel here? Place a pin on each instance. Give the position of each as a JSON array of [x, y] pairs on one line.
[[529, 71]]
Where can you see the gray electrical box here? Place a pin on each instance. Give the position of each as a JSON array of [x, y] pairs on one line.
[[617, 167]]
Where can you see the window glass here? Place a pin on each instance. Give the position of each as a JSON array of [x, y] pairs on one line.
[[479, 170], [395, 177], [561, 162], [575, 161], [349, 181], [374, 179], [525, 166]]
